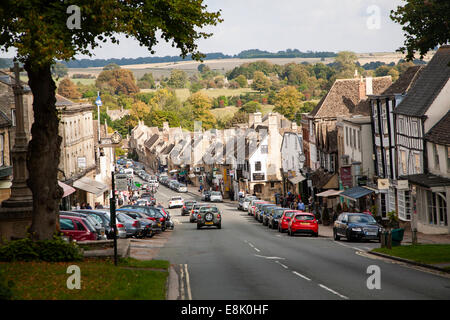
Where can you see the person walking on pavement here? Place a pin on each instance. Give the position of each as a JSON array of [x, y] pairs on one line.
[[301, 205]]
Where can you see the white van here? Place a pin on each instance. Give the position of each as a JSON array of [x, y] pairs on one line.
[[129, 172]]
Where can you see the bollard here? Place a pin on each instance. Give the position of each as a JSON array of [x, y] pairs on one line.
[[383, 239], [414, 236]]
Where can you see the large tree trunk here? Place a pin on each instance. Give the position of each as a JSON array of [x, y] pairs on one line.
[[43, 153]]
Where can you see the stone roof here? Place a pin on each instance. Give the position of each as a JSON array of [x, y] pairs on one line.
[[344, 97], [150, 142], [405, 81], [428, 85], [440, 133], [168, 149], [4, 120]]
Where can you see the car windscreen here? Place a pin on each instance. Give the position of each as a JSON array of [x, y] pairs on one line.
[[89, 224], [278, 213], [176, 199], [360, 218], [304, 217], [289, 214], [209, 209], [215, 193]]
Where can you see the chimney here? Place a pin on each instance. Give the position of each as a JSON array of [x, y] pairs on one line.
[[257, 118], [165, 126], [369, 86], [273, 121], [362, 89], [251, 119], [294, 126]]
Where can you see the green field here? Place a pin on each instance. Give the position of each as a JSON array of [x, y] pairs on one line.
[[226, 112], [100, 280], [423, 253], [184, 94]]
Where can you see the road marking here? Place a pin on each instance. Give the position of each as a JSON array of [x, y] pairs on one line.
[[344, 245], [257, 249], [284, 266], [269, 258], [182, 283], [332, 291], [188, 283], [301, 276]]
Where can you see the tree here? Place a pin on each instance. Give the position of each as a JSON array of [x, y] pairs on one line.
[[178, 79], [251, 107], [68, 89], [111, 66], [40, 34], [346, 64], [426, 24], [140, 109], [117, 81], [59, 70], [288, 102], [203, 68], [242, 80], [147, 81], [200, 105], [260, 82]]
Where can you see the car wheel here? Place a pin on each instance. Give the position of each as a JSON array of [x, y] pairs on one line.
[[315, 234], [336, 237], [349, 237], [198, 226], [290, 232], [151, 234], [219, 226]]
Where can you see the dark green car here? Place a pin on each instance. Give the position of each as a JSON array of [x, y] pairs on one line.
[[209, 216]]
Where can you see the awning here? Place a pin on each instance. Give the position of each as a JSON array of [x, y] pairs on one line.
[[173, 171], [333, 183], [330, 193], [68, 190], [90, 185], [355, 193], [297, 179]]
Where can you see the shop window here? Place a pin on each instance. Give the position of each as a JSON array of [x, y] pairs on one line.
[[258, 166]]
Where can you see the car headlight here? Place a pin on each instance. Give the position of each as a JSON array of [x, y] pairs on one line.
[[357, 229]]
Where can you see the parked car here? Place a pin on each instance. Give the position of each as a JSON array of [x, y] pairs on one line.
[[266, 214], [263, 210], [209, 216], [98, 227], [102, 218], [148, 226], [195, 210], [258, 209], [303, 223], [152, 214], [133, 227], [166, 221], [215, 196], [356, 226], [176, 202], [244, 202], [283, 222], [274, 217], [187, 207], [76, 228], [181, 188], [252, 206], [206, 195]]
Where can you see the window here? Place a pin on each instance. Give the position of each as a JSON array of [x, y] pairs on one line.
[[265, 149], [258, 166], [66, 224], [403, 153], [437, 208], [346, 135], [417, 163], [436, 156], [354, 138], [448, 158], [13, 117], [80, 226], [404, 209]]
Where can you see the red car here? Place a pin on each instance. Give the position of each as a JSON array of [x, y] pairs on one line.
[[76, 228], [304, 223], [283, 223]]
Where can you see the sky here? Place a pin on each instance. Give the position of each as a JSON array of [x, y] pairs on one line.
[[318, 25]]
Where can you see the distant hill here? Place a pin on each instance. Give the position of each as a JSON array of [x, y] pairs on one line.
[[247, 54]]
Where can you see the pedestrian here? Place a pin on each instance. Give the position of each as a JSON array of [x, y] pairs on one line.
[[300, 205], [78, 206], [88, 206], [83, 206]]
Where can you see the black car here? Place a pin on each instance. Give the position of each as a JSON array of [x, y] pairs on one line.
[[206, 196], [187, 207], [274, 217], [102, 217], [356, 226]]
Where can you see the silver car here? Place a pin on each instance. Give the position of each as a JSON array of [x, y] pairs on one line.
[[216, 196], [209, 216]]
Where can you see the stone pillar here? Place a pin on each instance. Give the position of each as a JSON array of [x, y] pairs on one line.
[[16, 212]]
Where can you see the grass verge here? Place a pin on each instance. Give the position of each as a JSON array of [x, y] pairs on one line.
[[100, 280], [423, 253]]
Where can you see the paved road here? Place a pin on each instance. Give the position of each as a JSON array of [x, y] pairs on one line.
[[245, 260]]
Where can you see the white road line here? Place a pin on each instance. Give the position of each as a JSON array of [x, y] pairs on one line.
[[332, 291], [284, 266], [301, 276], [269, 258], [183, 297], [257, 249], [188, 283], [344, 245]]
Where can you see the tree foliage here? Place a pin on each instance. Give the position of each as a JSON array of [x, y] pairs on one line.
[[177, 79], [260, 82], [147, 81], [288, 102], [200, 105], [68, 89], [59, 70], [117, 81], [426, 24]]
